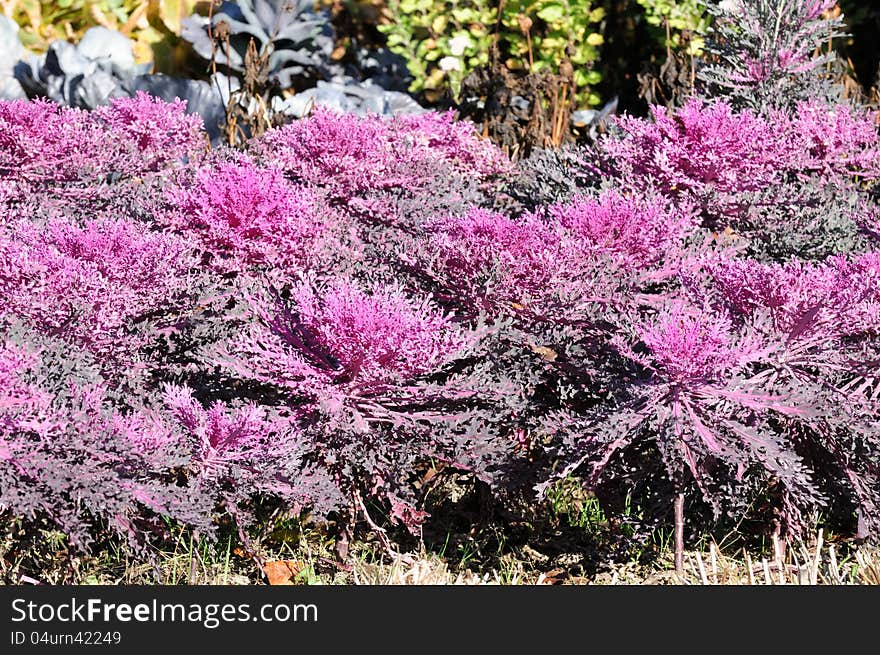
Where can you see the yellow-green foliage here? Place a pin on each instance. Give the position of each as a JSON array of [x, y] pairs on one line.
[[444, 40], [147, 22], [684, 21], [558, 23], [441, 41]]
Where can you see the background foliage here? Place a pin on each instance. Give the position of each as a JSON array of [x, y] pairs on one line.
[[443, 42], [147, 22]]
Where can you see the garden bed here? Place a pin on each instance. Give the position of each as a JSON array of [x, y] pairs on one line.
[[355, 334]]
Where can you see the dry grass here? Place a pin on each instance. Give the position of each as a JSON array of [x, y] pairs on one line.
[[192, 562], [815, 564], [802, 564], [422, 571]]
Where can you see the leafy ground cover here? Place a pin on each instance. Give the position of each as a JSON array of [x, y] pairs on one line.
[[383, 329]]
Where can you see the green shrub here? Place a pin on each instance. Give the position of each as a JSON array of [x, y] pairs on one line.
[[681, 23], [444, 41], [441, 41]]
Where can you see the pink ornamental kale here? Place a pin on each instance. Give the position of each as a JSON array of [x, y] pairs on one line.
[[69, 455], [17, 397], [573, 253], [350, 155], [788, 290], [334, 339], [42, 142], [715, 404], [94, 284], [718, 158], [154, 133], [839, 296], [699, 149], [686, 345], [456, 142], [236, 453], [838, 141], [246, 216], [223, 437], [346, 153], [635, 231], [484, 251]]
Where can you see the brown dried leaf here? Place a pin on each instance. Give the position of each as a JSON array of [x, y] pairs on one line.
[[554, 577], [283, 571], [546, 353]]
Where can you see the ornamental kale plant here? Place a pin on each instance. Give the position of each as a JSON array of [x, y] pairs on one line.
[[809, 219], [385, 179], [763, 52], [42, 143], [371, 374], [753, 174], [551, 262], [634, 231], [708, 150], [156, 134], [71, 453], [487, 254], [700, 150], [334, 338], [238, 453], [735, 408], [826, 315], [105, 286], [244, 215], [352, 155], [838, 141]]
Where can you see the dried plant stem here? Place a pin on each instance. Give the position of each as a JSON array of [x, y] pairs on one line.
[[379, 531], [678, 506], [668, 38], [749, 566], [703, 577], [832, 564], [713, 558], [529, 45], [553, 117], [777, 553], [814, 569]]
